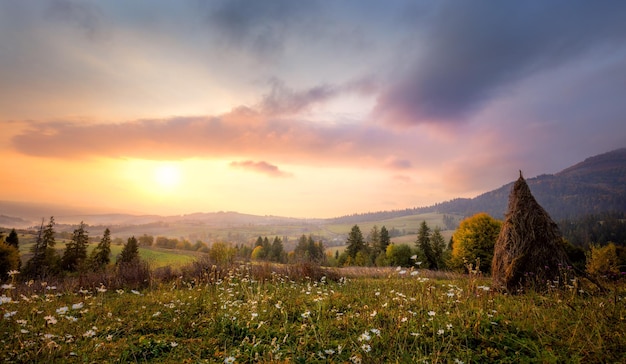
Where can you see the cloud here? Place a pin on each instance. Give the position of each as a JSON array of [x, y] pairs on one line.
[[282, 100], [242, 133], [398, 163], [84, 16], [261, 167], [472, 52], [262, 26]]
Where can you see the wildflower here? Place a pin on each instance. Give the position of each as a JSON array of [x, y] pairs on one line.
[[373, 314], [101, 289], [22, 322], [4, 299], [8, 286], [329, 351], [49, 336], [11, 273], [89, 333], [173, 344], [77, 306], [402, 272], [355, 359], [109, 337], [254, 315], [404, 319], [135, 292], [414, 257], [431, 313], [71, 318], [366, 348], [50, 320], [24, 331], [365, 336], [229, 360], [458, 361], [449, 326], [120, 291], [156, 314], [440, 332], [9, 314], [307, 314], [414, 273]]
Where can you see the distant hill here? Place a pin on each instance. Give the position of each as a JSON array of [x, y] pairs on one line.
[[596, 185]]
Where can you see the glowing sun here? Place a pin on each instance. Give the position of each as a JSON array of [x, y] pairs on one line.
[[167, 176]]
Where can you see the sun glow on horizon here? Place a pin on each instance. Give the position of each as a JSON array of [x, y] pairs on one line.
[[167, 176]]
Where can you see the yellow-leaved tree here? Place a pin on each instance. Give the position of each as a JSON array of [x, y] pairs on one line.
[[475, 239]]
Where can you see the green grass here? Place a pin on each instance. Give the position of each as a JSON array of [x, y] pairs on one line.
[[403, 317], [160, 257]]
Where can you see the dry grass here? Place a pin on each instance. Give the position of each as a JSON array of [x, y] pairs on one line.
[[529, 250]]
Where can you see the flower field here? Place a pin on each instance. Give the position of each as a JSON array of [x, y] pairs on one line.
[[403, 317]]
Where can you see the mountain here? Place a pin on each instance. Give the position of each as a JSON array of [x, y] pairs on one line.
[[596, 185]]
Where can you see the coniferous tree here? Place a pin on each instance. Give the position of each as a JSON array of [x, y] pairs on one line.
[[100, 256], [373, 239], [423, 244], [130, 252], [45, 259], [385, 239], [355, 242], [276, 251], [437, 242], [13, 240], [76, 250]]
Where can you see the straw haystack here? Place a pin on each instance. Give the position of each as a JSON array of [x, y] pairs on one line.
[[529, 249]]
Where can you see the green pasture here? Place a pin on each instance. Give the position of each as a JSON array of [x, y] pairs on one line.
[[404, 316]]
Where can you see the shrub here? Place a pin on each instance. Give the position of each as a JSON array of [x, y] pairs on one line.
[[602, 260]]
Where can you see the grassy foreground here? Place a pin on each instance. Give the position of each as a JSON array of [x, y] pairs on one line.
[[402, 317]]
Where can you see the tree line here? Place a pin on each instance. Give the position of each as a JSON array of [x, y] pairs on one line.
[[46, 261]]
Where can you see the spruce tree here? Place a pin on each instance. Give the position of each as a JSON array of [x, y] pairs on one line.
[[130, 252], [423, 244], [438, 243], [355, 242], [13, 240], [385, 239], [76, 250], [45, 259], [100, 256]]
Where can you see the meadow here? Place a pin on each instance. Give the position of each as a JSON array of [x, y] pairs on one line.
[[256, 313]]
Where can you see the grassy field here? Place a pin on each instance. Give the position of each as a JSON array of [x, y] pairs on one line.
[[402, 316]]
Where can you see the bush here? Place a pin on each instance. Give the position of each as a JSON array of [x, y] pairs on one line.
[[9, 260], [602, 261]]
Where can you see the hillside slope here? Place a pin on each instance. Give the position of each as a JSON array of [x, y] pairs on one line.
[[598, 184]]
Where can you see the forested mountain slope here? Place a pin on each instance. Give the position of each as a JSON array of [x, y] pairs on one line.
[[596, 185]]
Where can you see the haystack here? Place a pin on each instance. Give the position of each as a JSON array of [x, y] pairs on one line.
[[529, 249]]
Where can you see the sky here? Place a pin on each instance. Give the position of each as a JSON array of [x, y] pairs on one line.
[[300, 108]]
